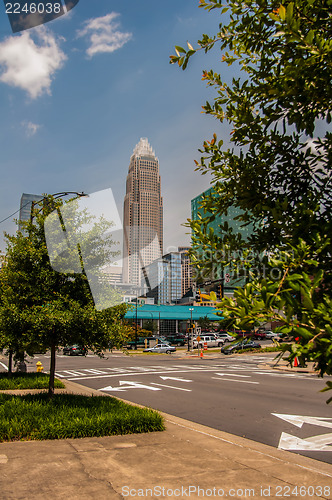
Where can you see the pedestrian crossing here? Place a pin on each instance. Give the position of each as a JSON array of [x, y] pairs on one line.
[[237, 371]]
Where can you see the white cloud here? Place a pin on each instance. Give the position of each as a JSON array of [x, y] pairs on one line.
[[29, 64], [30, 128], [103, 34]]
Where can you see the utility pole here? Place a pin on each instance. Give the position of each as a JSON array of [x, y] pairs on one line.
[[190, 329]]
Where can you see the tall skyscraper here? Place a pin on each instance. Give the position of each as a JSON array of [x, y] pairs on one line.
[[187, 269], [25, 206], [143, 213]]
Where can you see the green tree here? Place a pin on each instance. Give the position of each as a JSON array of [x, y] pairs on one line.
[[277, 169], [150, 325], [43, 308], [204, 322]]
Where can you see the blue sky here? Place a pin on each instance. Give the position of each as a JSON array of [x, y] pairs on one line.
[[77, 94]]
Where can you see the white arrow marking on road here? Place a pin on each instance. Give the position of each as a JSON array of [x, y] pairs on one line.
[[232, 374], [299, 420], [129, 385], [314, 443], [113, 389], [174, 378], [170, 387]]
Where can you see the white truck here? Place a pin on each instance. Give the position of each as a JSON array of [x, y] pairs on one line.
[[210, 340]]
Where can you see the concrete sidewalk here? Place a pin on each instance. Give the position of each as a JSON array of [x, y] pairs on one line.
[[186, 461]]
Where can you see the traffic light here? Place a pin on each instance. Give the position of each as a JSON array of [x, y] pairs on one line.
[[219, 292], [198, 296]]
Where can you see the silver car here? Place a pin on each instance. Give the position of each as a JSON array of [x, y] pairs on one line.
[[226, 337], [271, 335], [161, 348]]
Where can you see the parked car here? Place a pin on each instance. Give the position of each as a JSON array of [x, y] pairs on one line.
[[141, 341], [259, 335], [239, 346], [210, 340], [176, 339], [166, 348], [226, 337], [75, 350], [270, 335]]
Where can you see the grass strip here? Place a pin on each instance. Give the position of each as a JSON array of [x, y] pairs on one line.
[[29, 380], [34, 417]]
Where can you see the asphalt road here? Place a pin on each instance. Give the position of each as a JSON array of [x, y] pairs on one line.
[[238, 394]]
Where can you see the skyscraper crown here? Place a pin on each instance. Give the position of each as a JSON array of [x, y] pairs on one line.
[[143, 148]]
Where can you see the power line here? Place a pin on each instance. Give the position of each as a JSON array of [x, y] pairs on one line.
[[56, 195], [9, 216]]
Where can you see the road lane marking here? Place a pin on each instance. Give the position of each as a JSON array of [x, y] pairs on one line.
[[292, 375], [190, 367], [5, 366], [243, 368], [73, 373], [233, 375], [235, 380], [171, 387], [94, 371], [175, 378]]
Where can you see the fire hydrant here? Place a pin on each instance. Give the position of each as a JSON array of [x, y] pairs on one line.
[[40, 367]]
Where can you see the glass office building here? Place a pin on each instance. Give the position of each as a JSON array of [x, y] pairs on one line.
[[163, 279], [236, 225], [26, 204]]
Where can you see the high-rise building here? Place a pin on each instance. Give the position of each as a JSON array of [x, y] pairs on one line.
[[163, 278], [187, 269], [25, 206], [216, 224], [230, 218], [143, 213]]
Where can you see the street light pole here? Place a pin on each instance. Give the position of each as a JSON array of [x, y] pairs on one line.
[[136, 323], [190, 329]]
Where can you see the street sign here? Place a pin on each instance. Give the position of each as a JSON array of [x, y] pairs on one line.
[[198, 338]]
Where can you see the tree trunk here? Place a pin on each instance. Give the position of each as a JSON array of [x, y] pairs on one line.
[[52, 372], [10, 361]]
